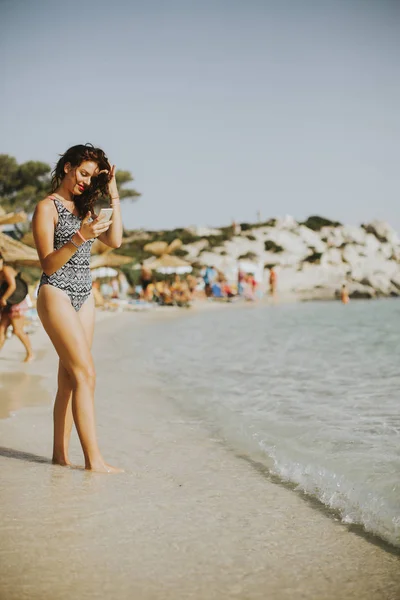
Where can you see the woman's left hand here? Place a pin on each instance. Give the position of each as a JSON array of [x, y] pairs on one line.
[[112, 183], [3, 303]]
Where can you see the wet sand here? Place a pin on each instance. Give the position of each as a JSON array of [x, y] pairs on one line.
[[190, 518]]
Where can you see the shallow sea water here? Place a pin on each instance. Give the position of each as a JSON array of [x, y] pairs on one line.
[[312, 388]]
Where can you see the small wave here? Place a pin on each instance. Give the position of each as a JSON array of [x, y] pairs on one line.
[[354, 504]]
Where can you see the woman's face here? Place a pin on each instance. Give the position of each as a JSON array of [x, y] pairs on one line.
[[79, 178]]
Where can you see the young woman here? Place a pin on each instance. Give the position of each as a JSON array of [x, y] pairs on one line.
[[64, 230], [13, 315]]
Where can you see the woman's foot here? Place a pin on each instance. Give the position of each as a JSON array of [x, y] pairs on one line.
[[29, 357], [60, 460], [102, 467]]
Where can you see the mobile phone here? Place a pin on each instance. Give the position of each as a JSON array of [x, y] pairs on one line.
[[105, 214]]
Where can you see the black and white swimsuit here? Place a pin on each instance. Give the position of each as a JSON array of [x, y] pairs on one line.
[[73, 278]]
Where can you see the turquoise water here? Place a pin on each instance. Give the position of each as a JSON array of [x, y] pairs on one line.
[[313, 388]]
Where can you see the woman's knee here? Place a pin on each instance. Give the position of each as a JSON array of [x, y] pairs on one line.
[[83, 374]]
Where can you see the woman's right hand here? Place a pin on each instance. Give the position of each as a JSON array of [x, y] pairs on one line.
[[94, 228]]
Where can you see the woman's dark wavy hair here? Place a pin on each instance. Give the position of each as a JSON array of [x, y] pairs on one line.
[[76, 155]]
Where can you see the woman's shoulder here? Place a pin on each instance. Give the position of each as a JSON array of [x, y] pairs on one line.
[[46, 207]]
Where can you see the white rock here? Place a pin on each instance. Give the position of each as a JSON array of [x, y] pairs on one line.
[[396, 279], [386, 250], [380, 282], [291, 242], [311, 238], [311, 277], [351, 254], [353, 235], [242, 245], [367, 267], [332, 256], [194, 249], [383, 231], [358, 290], [286, 222], [203, 231], [372, 244]]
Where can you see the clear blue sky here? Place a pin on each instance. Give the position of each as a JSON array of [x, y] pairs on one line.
[[218, 108]]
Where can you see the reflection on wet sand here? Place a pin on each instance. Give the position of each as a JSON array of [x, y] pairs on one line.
[[21, 390]]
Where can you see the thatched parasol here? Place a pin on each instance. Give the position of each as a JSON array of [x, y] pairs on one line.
[[109, 259], [28, 240], [169, 264], [100, 247], [161, 248], [12, 218], [17, 252]]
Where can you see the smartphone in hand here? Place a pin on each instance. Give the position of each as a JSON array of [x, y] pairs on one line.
[[105, 214]]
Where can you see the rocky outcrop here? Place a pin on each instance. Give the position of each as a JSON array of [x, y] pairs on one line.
[[313, 258]]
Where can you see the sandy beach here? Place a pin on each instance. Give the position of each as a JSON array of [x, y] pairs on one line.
[[190, 517]]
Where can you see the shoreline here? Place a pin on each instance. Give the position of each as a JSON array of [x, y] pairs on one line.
[[191, 517]]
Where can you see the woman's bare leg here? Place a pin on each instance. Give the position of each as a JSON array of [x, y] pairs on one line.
[[4, 323], [18, 329], [65, 330], [63, 418]]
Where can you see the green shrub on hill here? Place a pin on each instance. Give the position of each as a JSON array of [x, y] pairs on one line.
[[315, 257], [271, 246], [248, 256], [317, 223]]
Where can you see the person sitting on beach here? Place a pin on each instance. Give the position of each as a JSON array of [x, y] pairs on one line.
[[145, 280], [180, 292], [227, 290], [192, 284], [64, 229], [13, 314], [166, 295]]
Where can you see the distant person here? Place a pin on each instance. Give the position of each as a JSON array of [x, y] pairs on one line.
[[272, 282], [123, 286], [241, 281], [227, 290], [64, 229], [115, 288], [12, 314], [251, 280], [344, 294], [146, 278], [192, 284], [209, 277], [236, 228]]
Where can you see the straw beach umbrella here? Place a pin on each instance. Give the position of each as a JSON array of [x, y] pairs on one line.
[[12, 218], [109, 259], [28, 240], [17, 252], [104, 272], [162, 248], [100, 247], [169, 264]]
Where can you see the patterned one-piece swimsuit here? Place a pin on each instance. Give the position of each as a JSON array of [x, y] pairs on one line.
[[74, 278]]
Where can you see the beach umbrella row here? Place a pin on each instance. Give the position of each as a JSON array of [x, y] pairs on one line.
[[103, 272]]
